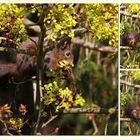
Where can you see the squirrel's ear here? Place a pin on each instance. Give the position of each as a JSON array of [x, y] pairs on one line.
[[66, 45]]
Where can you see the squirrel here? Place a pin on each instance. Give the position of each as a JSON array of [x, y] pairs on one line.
[[26, 65], [52, 58], [133, 111], [131, 39]]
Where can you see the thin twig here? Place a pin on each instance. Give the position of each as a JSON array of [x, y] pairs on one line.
[[129, 48], [49, 121], [3, 128], [95, 126], [126, 119], [106, 125]]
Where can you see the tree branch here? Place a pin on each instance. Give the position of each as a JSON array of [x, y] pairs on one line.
[[92, 46], [129, 48], [126, 119], [84, 44], [129, 84], [126, 48], [129, 14], [95, 110], [40, 72]]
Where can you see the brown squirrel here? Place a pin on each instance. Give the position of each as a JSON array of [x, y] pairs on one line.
[[53, 57], [26, 64], [131, 39], [133, 111]]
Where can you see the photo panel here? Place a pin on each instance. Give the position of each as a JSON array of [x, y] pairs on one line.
[[129, 102], [129, 35], [59, 69]]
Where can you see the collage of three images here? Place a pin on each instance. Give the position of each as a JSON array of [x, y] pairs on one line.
[[70, 69]]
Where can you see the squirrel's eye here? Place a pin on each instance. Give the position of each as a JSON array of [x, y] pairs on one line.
[[67, 54]]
